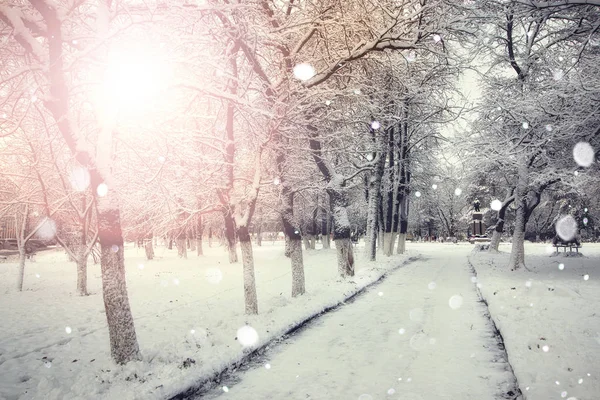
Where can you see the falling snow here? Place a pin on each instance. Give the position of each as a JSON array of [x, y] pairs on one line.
[[496, 205], [455, 302], [584, 154], [247, 336], [102, 190], [303, 72], [566, 228]]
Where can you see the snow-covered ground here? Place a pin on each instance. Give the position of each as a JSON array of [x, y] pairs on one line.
[[420, 334], [549, 316], [54, 344]]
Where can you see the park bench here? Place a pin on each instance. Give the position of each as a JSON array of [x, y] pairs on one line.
[[570, 245]]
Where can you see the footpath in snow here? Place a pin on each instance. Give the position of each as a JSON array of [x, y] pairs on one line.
[[421, 334]]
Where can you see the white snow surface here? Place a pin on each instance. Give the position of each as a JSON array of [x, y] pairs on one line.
[[400, 339], [180, 312], [547, 306]]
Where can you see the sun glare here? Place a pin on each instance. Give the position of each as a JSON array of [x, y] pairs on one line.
[[134, 80]]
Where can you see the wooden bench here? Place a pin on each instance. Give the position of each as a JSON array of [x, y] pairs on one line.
[[571, 246]]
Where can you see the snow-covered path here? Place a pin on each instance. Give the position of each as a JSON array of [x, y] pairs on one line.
[[409, 337]]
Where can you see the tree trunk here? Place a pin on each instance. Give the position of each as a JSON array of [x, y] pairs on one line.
[[82, 275], [313, 241], [499, 228], [298, 281], [401, 243], [373, 208], [293, 242], [82, 251], [341, 233], [388, 243], [230, 236], [259, 235], [495, 241], [22, 257], [192, 242], [371, 242], [517, 254], [325, 227], [199, 246], [250, 297], [403, 225], [182, 247], [287, 251], [345, 257], [306, 240], [326, 241], [170, 245], [123, 341], [149, 250]]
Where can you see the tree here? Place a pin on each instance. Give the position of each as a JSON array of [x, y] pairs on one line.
[[529, 127], [53, 59]]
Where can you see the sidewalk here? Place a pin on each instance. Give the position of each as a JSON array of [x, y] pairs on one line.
[[421, 334]]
